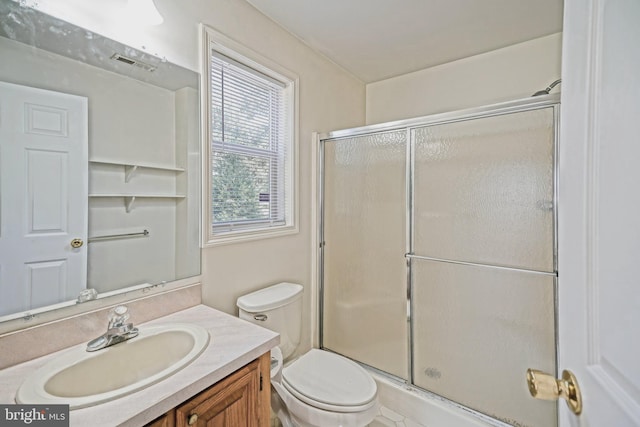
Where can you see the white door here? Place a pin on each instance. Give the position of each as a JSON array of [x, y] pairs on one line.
[[43, 197], [599, 211]]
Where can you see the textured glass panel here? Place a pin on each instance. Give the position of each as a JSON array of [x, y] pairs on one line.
[[484, 190], [364, 268], [476, 331]]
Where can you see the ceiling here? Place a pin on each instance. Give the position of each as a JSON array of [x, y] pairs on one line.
[[378, 39]]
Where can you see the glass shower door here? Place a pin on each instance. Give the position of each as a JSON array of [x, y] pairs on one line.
[[483, 262], [476, 332], [364, 273], [483, 190]]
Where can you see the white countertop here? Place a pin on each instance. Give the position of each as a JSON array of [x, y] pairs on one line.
[[233, 344]]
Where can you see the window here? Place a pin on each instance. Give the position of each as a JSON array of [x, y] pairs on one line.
[[250, 132]]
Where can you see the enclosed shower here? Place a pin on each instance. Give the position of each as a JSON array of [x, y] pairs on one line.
[[438, 253]]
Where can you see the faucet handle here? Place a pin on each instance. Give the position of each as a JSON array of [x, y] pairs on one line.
[[118, 316]]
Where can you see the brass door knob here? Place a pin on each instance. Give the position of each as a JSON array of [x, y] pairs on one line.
[[77, 243], [193, 419], [547, 387]]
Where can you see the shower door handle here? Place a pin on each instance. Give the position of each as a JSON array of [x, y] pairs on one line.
[[547, 387]]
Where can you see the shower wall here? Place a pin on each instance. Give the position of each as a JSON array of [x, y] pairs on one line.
[[439, 259]]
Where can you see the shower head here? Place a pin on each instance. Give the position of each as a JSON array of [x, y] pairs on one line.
[[541, 92], [548, 89]]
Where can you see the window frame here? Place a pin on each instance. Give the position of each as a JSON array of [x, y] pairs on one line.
[[213, 40]]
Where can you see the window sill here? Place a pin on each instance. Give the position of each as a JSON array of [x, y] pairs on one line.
[[249, 235]]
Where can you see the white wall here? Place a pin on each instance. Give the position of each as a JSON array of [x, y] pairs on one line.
[[188, 182], [124, 114], [129, 121], [505, 74], [330, 98]]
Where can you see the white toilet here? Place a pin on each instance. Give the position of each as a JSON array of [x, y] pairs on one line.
[[319, 388]]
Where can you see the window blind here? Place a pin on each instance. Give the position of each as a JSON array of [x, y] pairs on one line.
[[248, 146]]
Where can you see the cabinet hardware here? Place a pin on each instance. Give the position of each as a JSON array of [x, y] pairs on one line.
[[193, 419]]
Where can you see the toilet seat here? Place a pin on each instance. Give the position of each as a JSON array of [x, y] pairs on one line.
[[330, 382]]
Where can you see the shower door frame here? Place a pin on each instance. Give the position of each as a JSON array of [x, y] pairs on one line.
[[522, 105]]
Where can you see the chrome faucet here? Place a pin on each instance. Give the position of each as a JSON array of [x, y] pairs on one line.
[[118, 330]]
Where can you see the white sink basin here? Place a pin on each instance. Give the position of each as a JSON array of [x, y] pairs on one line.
[[80, 378]]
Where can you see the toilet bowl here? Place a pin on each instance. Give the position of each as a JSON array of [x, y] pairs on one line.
[[319, 388]]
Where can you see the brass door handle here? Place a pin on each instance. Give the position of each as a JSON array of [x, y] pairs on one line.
[[193, 419], [547, 387], [77, 243]]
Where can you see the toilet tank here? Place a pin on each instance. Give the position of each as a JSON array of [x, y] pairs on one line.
[[279, 308]]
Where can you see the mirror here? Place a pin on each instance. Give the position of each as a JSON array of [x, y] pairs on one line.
[[100, 164]]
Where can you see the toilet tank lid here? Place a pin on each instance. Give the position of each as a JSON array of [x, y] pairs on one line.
[[269, 298]]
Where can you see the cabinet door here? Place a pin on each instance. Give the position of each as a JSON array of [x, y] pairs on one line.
[[236, 401], [166, 420]]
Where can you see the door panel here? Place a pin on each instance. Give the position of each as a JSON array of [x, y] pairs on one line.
[[599, 237], [46, 120], [46, 282], [47, 184], [43, 197]]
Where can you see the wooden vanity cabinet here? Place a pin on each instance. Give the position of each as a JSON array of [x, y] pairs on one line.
[[240, 400], [166, 420]]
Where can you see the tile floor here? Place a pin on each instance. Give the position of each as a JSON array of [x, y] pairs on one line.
[[389, 418]]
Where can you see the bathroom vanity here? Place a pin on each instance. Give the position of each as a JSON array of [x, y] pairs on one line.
[[228, 382], [241, 399]]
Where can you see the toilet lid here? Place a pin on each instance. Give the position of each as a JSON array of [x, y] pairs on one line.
[[324, 380]]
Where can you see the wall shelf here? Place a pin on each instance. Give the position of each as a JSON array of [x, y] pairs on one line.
[[129, 199], [131, 168]]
